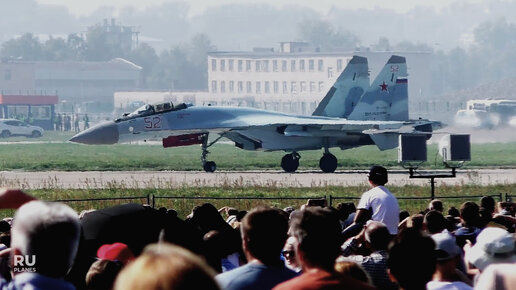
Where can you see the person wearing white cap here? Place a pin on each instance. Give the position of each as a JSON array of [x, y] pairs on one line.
[[448, 256], [493, 246]]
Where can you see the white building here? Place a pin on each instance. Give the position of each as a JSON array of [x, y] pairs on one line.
[[296, 78]]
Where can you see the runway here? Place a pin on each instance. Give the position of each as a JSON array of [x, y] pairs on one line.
[[175, 179]]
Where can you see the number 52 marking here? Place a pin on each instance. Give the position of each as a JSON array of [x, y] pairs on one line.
[[152, 122]]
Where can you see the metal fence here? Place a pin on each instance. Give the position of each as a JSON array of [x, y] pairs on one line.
[[184, 204]]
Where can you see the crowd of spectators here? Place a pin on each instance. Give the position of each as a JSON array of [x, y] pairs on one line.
[[373, 246]]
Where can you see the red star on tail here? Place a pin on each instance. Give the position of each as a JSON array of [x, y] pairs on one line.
[[384, 87]]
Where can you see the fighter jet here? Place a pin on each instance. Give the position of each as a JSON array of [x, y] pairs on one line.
[[353, 113]]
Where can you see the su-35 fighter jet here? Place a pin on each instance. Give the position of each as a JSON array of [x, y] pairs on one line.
[[353, 113]]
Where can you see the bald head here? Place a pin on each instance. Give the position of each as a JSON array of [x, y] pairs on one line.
[[377, 235]]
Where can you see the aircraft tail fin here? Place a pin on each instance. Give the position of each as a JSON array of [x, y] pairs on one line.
[[344, 95], [387, 98]]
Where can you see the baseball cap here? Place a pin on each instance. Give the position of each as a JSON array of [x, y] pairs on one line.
[[115, 252], [378, 174], [445, 246], [493, 246]]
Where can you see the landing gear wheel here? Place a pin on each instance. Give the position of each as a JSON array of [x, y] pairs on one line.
[[35, 134], [210, 166], [328, 163], [290, 162]]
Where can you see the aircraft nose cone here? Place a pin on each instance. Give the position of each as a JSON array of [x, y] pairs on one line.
[[104, 133]]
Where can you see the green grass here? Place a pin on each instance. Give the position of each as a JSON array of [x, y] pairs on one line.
[[238, 196], [71, 157]]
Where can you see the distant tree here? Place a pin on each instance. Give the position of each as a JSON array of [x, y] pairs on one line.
[[382, 45], [57, 49], [77, 44], [409, 46], [26, 47], [324, 35], [183, 67], [145, 56]]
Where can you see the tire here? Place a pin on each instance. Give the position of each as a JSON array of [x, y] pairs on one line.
[[5, 134], [35, 134], [210, 166], [289, 163], [328, 163]]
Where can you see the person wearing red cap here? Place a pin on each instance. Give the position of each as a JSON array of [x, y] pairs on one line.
[[116, 252]]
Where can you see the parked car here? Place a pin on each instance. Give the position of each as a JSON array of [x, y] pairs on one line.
[[13, 127]]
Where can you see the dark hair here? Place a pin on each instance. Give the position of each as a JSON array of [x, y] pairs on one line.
[[453, 211], [469, 213], [378, 175], [436, 205], [265, 232], [488, 203], [318, 232], [435, 222], [403, 215], [412, 259]]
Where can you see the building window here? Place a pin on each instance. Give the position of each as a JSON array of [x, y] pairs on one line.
[[293, 65], [258, 87], [293, 87], [276, 87], [320, 65], [312, 87], [302, 65], [339, 65], [240, 65], [303, 86], [213, 65], [222, 86], [257, 66], [230, 64], [247, 65], [311, 65], [249, 88], [283, 65], [330, 72], [267, 88], [231, 86], [222, 66], [274, 65], [285, 87], [213, 86], [240, 86], [265, 66], [321, 86]]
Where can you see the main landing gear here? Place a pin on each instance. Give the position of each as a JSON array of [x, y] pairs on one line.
[[208, 166], [327, 163], [290, 162]]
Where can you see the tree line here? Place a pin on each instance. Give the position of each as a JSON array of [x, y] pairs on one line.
[[184, 66]]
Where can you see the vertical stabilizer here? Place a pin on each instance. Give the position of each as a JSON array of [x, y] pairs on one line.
[[387, 98], [344, 95]]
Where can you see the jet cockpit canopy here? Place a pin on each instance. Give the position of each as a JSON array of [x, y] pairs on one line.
[[151, 109]]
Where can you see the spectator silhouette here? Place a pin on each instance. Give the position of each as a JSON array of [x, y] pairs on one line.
[[318, 233], [264, 231]]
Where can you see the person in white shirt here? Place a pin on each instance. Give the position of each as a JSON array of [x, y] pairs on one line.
[[378, 203]]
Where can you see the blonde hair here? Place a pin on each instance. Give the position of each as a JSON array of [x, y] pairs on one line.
[[352, 269], [164, 266]]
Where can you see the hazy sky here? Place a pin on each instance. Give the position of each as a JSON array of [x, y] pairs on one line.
[[83, 7]]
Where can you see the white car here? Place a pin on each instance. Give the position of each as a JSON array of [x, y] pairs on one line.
[[13, 127]]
